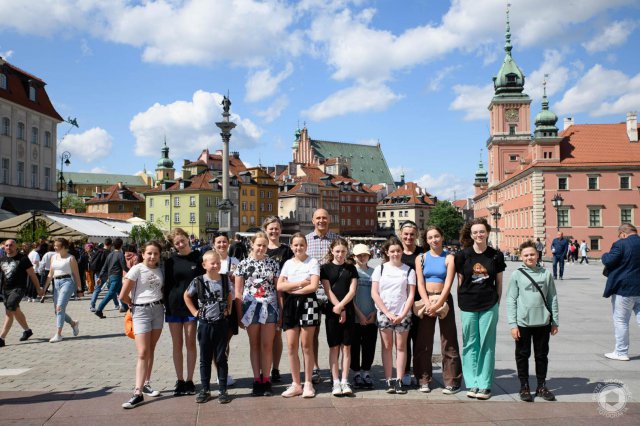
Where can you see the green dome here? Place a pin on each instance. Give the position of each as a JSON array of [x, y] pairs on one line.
[[481, 173], [297, 141], [165, 162], [546, 118], [510, 78]]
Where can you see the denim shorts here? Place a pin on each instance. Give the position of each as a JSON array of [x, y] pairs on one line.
[[147, 318], [178, 318], [272, 315]]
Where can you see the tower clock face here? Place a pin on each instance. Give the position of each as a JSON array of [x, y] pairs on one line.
[[512, 115]]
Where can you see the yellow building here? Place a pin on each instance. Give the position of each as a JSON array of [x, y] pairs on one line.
[[258, 197]]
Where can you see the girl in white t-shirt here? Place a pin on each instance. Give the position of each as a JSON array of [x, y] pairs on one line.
[[299, 281], [142, 291], [393, 287], [228, 265]]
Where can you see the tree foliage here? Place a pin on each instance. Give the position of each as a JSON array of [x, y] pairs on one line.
[[140, 234], [29, 234], [72, 201], [444, 215]]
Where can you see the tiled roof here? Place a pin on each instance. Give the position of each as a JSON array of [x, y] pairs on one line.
[[18, 91], [598, 144], [461, 204], [113, 194], [367, 161], [413, 193], [103, 179], [198, 182]]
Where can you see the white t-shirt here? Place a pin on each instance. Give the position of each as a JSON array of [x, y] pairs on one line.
[[393, 285], [297, 271], [34, 257], [228, 266], [148, 284], [45, 262]]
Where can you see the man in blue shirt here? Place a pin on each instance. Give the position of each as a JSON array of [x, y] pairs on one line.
[[559, 249], [623, 285]]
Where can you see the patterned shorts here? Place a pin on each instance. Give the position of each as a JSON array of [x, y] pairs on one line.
[[384, 323], [305, 314]]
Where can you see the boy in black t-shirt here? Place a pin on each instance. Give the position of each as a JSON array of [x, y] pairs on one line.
[[211, 291]]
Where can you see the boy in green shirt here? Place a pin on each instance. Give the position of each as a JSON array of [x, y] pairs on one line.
[[532, 314]]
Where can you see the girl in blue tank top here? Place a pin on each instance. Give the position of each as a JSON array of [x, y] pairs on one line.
[[434, 286]]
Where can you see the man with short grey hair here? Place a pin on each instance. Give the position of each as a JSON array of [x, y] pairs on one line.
[[622, 263]]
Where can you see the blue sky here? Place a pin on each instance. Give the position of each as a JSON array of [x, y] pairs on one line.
[[415, 75]]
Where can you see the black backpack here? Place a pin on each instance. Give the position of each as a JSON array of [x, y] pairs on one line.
[[224, 278], [97, 261]]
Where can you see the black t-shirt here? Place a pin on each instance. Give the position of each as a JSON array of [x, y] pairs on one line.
[[280, 254], [13, 271], [339, 277], [410, 261], [238, 250], [478, 290], [179, 271]]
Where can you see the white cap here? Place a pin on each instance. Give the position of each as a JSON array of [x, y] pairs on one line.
[[361, 249]]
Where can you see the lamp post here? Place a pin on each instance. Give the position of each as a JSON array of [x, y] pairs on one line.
[[557, 201], [64, 161], [496, 216]]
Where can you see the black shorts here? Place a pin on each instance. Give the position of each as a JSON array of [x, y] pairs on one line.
[[232, 320], [300, 311], [338, 334], [12, 298]]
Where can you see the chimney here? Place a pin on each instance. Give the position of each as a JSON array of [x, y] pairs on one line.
[[632, 126], [568, 122]]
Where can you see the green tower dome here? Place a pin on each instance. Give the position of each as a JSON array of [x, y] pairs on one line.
[[165, 162], [510, 78], [546, 120], [296, 142]]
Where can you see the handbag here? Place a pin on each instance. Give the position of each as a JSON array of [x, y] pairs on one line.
[[420, 309], [128, 325]]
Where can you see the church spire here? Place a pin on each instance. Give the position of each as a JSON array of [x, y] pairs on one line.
[[510, 78], [507, 35]]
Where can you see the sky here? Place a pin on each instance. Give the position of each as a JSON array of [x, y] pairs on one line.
[[413, 75]]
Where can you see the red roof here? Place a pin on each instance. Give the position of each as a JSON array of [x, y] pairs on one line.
[[598, 144], [461, 204], [200, 181], [411, 190], [113, 194], [18, 91]]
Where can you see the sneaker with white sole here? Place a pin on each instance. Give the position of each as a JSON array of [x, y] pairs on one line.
[[149, 391], [471, 393], [346, 389], [76, 328], [616, 357], [337, 390], [483, 394], [56, 338], [293, 390], [425, 388], [135, 400], [450, 390]]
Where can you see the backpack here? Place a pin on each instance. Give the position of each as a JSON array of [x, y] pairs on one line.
[[202, 301], [97, 261]]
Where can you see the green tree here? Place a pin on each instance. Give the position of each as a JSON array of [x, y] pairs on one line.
[[444, 215], [32, 231], [72, 201], [140, 234]]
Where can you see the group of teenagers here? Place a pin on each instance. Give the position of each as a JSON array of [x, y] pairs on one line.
[[207, 297]]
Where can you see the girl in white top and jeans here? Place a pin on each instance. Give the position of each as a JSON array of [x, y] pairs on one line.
[[63, 270]]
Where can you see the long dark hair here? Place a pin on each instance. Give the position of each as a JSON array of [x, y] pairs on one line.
[[339, 242], [465, 232]]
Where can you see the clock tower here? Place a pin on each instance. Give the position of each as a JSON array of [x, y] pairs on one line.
[[510, 118]]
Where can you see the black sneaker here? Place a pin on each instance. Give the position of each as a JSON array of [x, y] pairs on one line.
[[99, 314], [224, 398], [391, 386], [257, 389], [399, 389], [275, 375], [266, 389], [358, 383], [203, 396], [545, 394], [368, 382], [179, 389], [316, 378], [189, 387], [135, 400], [149, 391], [472, 393], [483, 394], [26, 334], [450, 390], [1, 342], [525, 394]]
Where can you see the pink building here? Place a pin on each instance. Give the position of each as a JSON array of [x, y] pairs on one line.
[[593, 168]]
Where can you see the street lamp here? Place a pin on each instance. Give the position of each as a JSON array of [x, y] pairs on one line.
[[496, 216], [64, 161], [557, 203]]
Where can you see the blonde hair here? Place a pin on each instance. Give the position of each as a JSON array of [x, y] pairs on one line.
[[210, 254]]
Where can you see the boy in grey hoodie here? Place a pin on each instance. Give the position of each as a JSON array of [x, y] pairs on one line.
[[532, 313]]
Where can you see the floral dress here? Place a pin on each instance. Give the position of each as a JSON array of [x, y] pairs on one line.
[[260, 278]]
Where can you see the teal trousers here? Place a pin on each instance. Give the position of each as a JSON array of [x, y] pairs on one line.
[[479, 347]]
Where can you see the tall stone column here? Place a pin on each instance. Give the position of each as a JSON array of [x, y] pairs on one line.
[[225, 206]]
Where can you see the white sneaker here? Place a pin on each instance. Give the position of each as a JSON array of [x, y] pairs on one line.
[[615, 356], [346, 389], [76, 328], [56, 338], [337, 390]]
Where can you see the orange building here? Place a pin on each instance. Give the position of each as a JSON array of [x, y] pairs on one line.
[[592, 169], [117, 199]]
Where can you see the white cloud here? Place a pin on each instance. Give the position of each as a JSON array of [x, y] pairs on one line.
[[601, 91], [189, 127], [97, 170], [473, 100], [435, 83], [615, 34], [358, 98], [446, 186], [7, 54], [558, 76], [370, 141], [275, 109], [262, 84], [85, 48], [397, 172], [94, 144]]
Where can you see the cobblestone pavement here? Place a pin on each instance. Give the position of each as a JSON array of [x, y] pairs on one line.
[[87, 377]]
